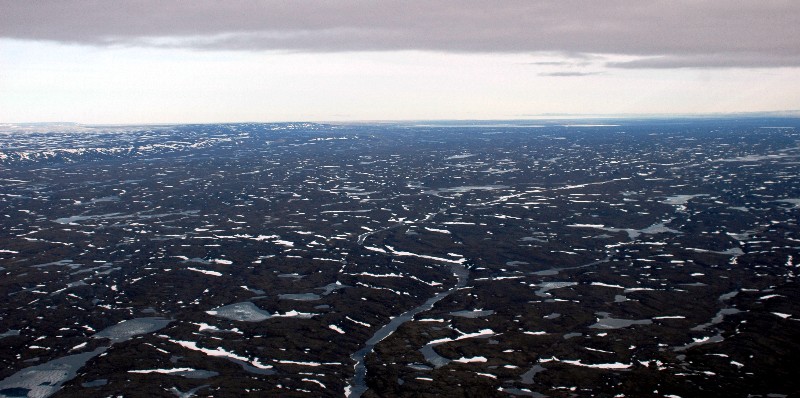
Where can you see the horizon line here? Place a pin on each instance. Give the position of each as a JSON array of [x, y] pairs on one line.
[[794, 113]]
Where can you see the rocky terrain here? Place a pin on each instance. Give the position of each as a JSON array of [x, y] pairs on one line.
[[632, 258]]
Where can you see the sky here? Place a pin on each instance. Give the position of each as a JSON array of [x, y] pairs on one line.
[[163, 61]]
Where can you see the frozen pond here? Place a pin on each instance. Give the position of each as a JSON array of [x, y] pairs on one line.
[[464, 189], [472, 313], [246, 312], [681, 199], [547, 286], [633, 234], [44, 380], [300, 296], [527, 377], [605, 321], [126, 330]]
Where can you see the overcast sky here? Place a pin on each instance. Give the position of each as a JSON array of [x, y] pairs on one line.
[[155, 61]]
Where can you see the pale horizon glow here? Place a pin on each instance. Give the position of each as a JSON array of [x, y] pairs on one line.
[[159, 80]]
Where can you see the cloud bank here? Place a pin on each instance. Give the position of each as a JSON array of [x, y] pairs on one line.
[[662, 34]]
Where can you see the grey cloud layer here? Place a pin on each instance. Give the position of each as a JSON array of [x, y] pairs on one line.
[[678, 33]]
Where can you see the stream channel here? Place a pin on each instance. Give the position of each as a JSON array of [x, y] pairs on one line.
[[359, 384]]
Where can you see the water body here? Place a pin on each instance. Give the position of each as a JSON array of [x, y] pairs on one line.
[[359, 385], [605, 321], [331, 287], [472, 313], [555, 271], [66, 262], [681, 199], [463, 189], [119, 216], [246, 312], [44, 380], [365, 235], [795, 202], [433, 357], [522, 392], [718, 318], [717, 338], [189, 374], [126, 330], [180, 394], [75, 219], [546, 286], [300, 296], [527, 377], [735, 251], [105, 199], [95, 383], [633, 234]]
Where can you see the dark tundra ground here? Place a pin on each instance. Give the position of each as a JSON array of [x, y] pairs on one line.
[[633, 259]]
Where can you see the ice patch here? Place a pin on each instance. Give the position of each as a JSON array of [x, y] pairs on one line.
[[606, 285], [189, 373], [470, 360], [204, 271], [254, 365], [578, 362], [336, 329]]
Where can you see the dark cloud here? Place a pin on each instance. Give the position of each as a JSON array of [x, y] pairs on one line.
[[573, 61], [569, 74], [551, 63], [677, 33], [715, 60]]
